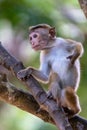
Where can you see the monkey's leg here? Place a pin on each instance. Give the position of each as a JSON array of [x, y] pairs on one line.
[[55, 86], [70, 101], [54, 93]]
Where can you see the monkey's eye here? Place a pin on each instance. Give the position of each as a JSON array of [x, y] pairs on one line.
[[35, 36]]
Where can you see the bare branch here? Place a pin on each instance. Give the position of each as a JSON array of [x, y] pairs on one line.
[[20, 99], [40, 96]]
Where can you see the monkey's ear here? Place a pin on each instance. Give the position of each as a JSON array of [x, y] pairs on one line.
[[52, 32]]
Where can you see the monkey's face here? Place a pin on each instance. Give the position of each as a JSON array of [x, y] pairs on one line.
[[38, 41]]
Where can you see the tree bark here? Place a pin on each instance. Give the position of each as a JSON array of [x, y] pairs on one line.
[[51, 113], [21, 99], [83, 5]]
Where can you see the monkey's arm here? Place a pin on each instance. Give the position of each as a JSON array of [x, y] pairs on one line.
[[38, 74], [77, 50]]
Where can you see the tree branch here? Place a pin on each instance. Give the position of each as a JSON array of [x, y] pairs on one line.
[[21, 99], [37, 91], [25, 101], [83, 5], [40, 96]]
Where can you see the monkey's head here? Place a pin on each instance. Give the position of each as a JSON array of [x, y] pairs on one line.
[[41, 35]]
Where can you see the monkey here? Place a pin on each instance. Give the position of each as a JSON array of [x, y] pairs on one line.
[[59, 65]]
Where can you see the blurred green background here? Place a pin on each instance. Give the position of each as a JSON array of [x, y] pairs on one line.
[[15, 18]]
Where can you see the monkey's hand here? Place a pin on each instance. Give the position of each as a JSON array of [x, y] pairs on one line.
[[49, 95], [70, 58], [73, 58], [24, 74]]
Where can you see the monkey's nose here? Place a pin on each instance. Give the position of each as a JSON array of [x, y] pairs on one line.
[[33, 43]]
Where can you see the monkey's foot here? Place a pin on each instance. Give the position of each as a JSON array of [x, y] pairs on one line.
[[69, 112]]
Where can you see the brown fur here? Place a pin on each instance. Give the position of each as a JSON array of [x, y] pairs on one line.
[[44, 26], [71, 100]]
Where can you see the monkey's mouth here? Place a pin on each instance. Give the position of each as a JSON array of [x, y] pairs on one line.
[[36, 47]]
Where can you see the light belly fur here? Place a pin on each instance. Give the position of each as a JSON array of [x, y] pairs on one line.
[[69, 76]]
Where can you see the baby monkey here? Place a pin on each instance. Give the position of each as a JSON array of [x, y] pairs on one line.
[[59, 65]]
